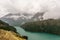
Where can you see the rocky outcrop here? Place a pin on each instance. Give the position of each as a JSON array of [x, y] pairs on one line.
[[9, 35]]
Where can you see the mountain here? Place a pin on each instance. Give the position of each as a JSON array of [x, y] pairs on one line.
[[48, 26], [17, 19]]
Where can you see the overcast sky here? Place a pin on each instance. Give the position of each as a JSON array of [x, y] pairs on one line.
[[51, 7]]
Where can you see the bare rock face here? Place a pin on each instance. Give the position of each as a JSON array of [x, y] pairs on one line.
[[9, 35]]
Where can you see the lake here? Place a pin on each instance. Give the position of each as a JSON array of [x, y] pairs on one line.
[[37, 36]]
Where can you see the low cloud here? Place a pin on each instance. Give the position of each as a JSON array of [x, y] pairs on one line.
[[51, 7]]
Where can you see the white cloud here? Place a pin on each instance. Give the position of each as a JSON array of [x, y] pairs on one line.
[[32, 6]]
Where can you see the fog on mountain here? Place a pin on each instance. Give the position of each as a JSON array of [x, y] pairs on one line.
[[22, 11]]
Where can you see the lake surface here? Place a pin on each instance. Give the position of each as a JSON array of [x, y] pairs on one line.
[[37, 36]]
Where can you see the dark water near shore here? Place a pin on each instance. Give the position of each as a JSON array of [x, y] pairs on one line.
[[38, 36]]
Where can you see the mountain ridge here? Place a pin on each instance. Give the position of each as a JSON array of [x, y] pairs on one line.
[[20, 18]]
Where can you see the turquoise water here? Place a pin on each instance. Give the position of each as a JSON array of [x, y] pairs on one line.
[[37, 36]]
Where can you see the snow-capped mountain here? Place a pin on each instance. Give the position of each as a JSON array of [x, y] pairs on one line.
[[19, 18], [18, 12]]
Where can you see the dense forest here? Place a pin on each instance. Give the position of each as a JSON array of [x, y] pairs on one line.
[[49, 26]]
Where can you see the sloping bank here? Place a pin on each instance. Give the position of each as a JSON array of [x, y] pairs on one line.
[[48, 26], [8, 32], [9, 35]]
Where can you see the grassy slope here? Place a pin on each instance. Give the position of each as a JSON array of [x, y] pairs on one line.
[[8, 35]]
